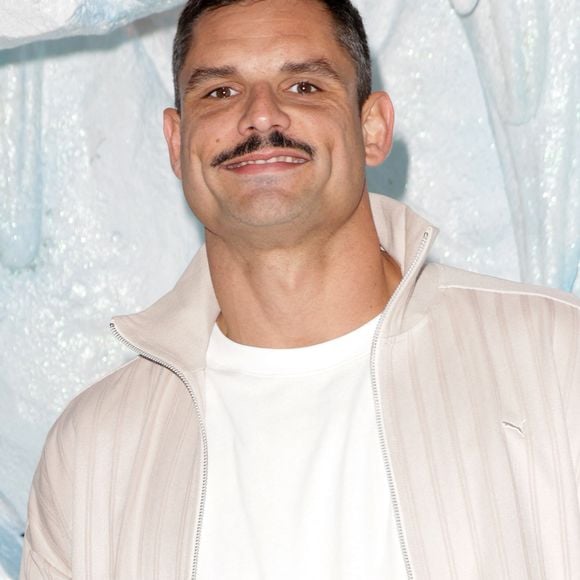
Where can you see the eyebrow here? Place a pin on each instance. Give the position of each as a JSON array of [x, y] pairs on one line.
[[318, 66], [201, 75]]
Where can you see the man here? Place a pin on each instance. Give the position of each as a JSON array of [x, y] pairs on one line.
[[313, 400]]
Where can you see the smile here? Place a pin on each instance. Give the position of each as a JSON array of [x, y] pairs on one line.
[[278, 159]]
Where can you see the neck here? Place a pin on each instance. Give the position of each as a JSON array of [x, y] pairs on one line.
[[304, 294]]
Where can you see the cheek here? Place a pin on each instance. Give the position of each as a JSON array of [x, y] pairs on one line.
[[349, 142], [210, 137], [196, 147]]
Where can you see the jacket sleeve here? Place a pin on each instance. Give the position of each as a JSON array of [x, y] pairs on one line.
[[48, 539], [34, 567], [567, 356]]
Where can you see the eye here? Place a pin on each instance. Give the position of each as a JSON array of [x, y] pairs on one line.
[[222, 93], [304, 88]]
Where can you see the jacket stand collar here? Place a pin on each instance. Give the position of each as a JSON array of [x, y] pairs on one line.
[[176, 328]]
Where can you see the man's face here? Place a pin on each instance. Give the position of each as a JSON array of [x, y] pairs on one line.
[[269, 144]]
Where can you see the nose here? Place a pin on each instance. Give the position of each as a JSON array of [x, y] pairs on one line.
[[263, 112]]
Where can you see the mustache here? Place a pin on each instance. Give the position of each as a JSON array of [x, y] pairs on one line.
[[255, 143]]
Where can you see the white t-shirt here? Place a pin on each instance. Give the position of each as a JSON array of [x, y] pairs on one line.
[[297, 488]]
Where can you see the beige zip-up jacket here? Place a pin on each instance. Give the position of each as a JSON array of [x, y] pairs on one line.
[[477, 390]]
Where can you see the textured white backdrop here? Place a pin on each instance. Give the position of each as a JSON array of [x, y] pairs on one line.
[[92, 222]]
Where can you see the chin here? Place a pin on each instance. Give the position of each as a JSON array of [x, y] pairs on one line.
[[267, 207]]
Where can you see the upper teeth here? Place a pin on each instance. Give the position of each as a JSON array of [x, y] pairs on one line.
[[280, 159]]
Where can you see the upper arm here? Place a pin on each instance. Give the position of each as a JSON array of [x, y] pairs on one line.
[[34, 567], [567, 356], [48, 539]]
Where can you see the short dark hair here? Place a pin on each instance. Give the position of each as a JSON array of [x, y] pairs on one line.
[[350, 34]]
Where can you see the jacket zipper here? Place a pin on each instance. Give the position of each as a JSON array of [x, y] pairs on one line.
[[417, 260], [203, 434]]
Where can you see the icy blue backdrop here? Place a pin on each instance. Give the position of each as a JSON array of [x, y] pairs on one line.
[[92, 222]]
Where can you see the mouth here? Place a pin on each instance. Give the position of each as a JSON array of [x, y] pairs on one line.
[[265, 162], [277, 159]]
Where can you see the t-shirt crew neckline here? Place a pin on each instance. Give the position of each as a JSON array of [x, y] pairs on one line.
[[223, 353]]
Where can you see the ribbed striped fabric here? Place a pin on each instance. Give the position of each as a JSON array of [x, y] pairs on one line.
[[129, 454], [479, 388], [481, 407]]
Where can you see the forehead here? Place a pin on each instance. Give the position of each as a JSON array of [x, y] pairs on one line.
[[264, 29]]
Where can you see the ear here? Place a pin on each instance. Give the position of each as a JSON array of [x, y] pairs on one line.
[[378, 120], [172, 132]]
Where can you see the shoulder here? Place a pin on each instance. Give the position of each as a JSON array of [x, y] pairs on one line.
[[457, 283], [481, 305], [530, 329], [128, 391]]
